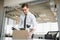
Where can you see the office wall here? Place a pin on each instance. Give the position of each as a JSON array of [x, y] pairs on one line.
[[58, 16], [1, 16]]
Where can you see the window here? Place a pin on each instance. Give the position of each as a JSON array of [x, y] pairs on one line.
[[43, 28]]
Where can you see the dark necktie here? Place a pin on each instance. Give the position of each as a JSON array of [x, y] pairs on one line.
[[25, 21]]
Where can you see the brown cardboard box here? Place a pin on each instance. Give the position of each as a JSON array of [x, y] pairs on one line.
[[20, 34]]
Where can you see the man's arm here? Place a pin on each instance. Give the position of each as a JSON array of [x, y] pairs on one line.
[[33, 24], [20, 21], [33, 21], [17, 27]]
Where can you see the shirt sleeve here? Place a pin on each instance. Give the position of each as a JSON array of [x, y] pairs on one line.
[[19, 25], [34, 23], [20, 22]]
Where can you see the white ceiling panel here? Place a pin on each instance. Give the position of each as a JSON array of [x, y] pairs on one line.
[[15, 2]]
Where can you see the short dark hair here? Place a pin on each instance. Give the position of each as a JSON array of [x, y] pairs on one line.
[[24, 4]]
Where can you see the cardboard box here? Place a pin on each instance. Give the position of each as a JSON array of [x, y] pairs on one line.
[[20, 34]]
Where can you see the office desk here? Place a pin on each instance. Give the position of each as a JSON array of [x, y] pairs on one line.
[[32, 39], [10, 38], [40, 36]]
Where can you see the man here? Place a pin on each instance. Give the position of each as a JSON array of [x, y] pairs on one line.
[[27, 20]]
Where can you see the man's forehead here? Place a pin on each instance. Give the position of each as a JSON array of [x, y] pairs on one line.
[[24, 7]]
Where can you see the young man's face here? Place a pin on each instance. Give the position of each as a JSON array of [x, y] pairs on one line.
[[25, 10]]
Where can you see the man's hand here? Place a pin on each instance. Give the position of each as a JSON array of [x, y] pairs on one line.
[[29, 35]]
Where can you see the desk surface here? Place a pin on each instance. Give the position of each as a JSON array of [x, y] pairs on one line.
[[9, 38], [32, 39]]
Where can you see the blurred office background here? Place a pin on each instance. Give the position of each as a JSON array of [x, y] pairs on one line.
[[44, 11]]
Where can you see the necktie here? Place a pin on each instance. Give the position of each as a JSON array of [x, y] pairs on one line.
[[25, 21]]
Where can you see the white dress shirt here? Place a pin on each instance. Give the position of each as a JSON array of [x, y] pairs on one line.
[[30, 20]]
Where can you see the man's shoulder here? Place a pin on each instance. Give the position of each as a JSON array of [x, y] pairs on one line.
[[31, 14], [22, 14]]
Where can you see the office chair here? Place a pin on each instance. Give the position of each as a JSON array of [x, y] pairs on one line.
[[51, 35]]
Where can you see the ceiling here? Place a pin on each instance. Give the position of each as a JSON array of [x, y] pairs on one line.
[[14, 3], [41, 10]]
